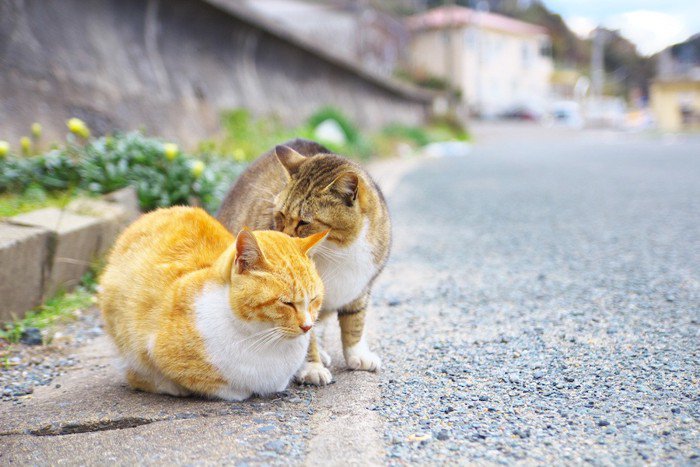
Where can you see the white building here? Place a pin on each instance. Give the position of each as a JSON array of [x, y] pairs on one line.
[[498, 63]]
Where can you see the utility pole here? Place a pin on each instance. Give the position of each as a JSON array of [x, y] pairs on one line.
[[597, 63], [449, 53], [482, 6], [449, 60]]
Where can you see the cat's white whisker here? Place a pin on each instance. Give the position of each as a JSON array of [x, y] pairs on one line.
[[257, 334], [266, 339], [257, 343], [329, 254]]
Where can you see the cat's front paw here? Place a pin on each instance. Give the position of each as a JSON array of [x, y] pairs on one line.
[[313, 373], [359, 357], [325, 358]]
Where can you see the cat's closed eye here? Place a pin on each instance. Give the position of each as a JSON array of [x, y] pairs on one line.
[[302, 223]]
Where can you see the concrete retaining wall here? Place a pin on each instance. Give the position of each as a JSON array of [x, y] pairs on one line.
[[171, 67], [50, 249]]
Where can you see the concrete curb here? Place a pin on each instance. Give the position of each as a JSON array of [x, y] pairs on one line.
[[47, 250]]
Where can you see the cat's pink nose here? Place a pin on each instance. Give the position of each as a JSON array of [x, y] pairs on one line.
[[305, 327]]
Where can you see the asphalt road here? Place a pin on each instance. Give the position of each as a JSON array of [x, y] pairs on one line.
[[546, 302], [542, 305]]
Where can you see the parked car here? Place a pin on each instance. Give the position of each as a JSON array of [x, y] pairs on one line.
[[520, 113], [567, 113]]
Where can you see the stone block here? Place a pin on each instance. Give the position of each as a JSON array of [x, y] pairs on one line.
[[25, 256], [128, 200], [116, 218], [76, 242]]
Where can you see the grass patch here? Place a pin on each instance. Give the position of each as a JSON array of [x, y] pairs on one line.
[[60, 308], [12, 204]]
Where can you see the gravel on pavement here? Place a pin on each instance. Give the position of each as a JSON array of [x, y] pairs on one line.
[[542, 304]]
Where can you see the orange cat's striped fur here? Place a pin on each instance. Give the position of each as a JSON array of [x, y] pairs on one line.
[[192, 309]]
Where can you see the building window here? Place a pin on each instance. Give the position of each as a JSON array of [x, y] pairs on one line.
[[525, 49], [545, 48], [469, 37]]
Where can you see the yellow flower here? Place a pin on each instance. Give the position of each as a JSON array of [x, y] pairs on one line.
[[170, 150], [36, 129], [239, 154], [26, 144], [4, 148], [78, 127], [197, 168]]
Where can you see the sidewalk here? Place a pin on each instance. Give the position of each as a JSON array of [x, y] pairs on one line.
[[90, 416]]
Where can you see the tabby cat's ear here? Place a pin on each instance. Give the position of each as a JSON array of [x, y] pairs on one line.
[[307, 243], [290, 159], [249, 256], [346, 185]]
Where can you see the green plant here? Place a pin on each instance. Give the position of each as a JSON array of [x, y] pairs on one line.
[[356, 145], [416, 135], [331, 113], [246, 137], [34, 197], [61, 307], [162, 174], [447, 127], [54, 170], [16, 173]]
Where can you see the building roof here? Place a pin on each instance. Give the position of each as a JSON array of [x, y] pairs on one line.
[[458, 16]]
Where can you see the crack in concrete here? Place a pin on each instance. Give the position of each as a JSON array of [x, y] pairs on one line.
[[92, 426]]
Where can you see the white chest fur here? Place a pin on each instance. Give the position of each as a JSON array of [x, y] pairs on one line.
[[345, 271], [232, 346]]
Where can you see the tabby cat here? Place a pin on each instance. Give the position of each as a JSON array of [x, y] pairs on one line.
[[193, 310], [300, 188]]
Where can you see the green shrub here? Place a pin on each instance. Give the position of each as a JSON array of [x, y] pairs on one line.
[[162, 175], [246, 137], [416, 135], [111, 163], [331, 113], [447, 127], [55, 170], [15, 174], [356, 144]]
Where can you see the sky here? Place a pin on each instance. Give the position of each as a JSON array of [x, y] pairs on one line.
[[651, 25]]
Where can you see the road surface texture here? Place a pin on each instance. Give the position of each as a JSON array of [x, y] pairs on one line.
[[542, 305]]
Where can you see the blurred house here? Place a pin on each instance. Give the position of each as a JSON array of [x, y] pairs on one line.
[[675, 93], [351, 29], [498, 63]]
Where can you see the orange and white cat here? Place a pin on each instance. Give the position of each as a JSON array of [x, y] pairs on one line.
[[193, 310]]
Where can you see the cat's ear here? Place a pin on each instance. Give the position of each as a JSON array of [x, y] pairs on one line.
[[347, 186], [249, 256], [243, 255], [307, 243], [290, 159]]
